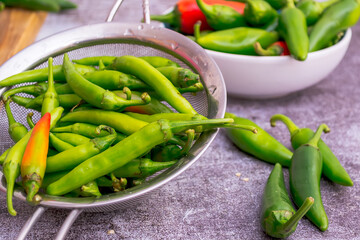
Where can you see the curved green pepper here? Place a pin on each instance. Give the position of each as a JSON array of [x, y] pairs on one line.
[[237, 40], [292, 27], [278, 217], [16, 130], [332, 168], [259, 13], [313, 9], [221, 17], [262, 145], [305, 174], [335, 19]]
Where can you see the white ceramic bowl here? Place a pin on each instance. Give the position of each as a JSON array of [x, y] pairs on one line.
[[261, 77]]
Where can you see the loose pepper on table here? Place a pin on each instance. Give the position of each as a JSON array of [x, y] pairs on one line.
[[278, 217], [237, 40], [338, 17], [94, 94], [278, 48], [51, 98], [137, 144], [258, 13], [11, 166], [305, 174], [33, 163], [262, 145], [292, 27], [313, 9], [332, 168], [221, 16]]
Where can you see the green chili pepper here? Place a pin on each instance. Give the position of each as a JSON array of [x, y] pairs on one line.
[[72, 138], [150, 75], [237, 40], [69, 159], [168, 116], [16, 130], [35, 90], [33, 162], [336, 18], [119, 121], [103, 182], [332, 168], [11, 166], [277, 4], [292, 27], [44, 5], [64, 4], [90, 189], [313, 9], [51, 99], [24, 101], [258, 13], [220, 17], [52, 177], [41, 75], [137, 144], [278, 217], [94, 94], [66, 101], [114, 80], [157, 61], [3, 156], [262, 145], [180, 77], [305, 174]]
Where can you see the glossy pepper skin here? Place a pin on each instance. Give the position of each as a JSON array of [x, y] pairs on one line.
[[332, 168], [335, 19], [278, 217], [258, 13], [292, 27], [313, 9], [51, 98], [221, 17], [33, 163], [237, 40], [11, 166], [278, 48], [117, 156], [261, 145], [305, 174]]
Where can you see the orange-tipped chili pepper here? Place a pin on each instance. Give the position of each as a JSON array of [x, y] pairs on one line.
[[34, 160]]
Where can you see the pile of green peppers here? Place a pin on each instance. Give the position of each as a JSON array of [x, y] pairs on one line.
[[275, 27], [310, 160], [42, 5]]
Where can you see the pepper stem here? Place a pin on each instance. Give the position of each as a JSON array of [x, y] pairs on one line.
[[197, 26], [197, 87], [29, 119], [190, 139], [9, 114], [101, 65], [315, 139], [293, 129], [272, 51], [51, 75], [127, 92], [307, 204]]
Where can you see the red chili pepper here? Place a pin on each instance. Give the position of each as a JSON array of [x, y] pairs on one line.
[[186, 13], [34, 160], [278, 48]]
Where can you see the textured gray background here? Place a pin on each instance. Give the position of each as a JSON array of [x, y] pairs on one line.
[[209, 201]]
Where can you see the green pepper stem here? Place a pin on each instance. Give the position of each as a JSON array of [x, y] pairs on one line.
[[9, 114], [315, 139], [101, 65], [29, 119], [127, 92], [51, 75], [307, 204], [190, 139], [272, 51], [293, 129], [197, 26], [327, 3]]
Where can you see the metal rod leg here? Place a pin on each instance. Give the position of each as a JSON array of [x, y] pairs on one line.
[[30, 223], [67, 223]]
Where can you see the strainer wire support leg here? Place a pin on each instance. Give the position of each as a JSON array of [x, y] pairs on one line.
[[146, 11], [30, 222], [67, 224]]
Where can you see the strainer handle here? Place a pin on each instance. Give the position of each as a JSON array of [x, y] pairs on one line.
[[30, 222], [67, 223]]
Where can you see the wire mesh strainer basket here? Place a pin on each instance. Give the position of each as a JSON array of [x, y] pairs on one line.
[[116, 39]]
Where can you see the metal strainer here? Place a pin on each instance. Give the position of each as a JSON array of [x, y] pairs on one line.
[[117, 39]]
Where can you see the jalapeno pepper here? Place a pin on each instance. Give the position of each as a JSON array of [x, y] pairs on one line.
[[137, 144], [258, 13], [237, 40], [305, 174], [220, 17], [278, 217], [332, 168], [313, 9], [33, 163], [336, 18], [11, 166], [292, 27], [262, 145]]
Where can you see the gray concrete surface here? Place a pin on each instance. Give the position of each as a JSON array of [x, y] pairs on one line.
[[209, 200]]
